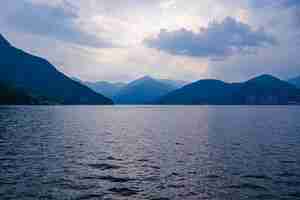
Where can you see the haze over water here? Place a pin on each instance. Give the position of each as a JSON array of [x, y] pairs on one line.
[[151, 153]]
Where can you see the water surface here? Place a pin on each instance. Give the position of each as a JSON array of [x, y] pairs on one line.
[[151, 152]]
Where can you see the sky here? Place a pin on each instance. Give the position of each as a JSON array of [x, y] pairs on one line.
[[121, 40]]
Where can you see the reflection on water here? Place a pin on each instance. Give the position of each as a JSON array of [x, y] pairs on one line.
[[153, 153]]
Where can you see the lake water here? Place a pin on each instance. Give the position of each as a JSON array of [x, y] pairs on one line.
[[152, 153]]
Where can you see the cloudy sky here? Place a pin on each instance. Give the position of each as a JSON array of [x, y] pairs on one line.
[[120, 40]]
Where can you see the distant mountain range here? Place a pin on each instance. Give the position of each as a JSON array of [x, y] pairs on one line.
[[145, 90], [175, 83], [103, 87], [106, 88], [27, 79], [35, 76], [295, 81], [262, 90]]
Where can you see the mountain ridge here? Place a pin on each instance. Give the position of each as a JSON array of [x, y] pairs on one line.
[[114, 90], [145, 90], [106, 88], [38, 76], [3, 41], [260, 90], [295, 81]]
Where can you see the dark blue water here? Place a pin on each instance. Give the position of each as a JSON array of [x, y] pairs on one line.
[[153, 153]]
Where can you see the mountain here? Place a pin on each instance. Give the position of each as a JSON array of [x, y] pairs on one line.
[[3, 42], [145, 90], [262, 90], [267, 89], [112, 90], [77, 80], [37, 76], [103, 87], [206, 91], [11, 96], [106, 88], [295, 81], [175, 83]]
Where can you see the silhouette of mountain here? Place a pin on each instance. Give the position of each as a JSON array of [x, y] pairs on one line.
[[10, 95], [295, 81], [145, 90], [103, 87], [77, 80], [111, 90], [267, 89], [262, 90], [3, 42], [106, 88], [37, 76], [175, 83]]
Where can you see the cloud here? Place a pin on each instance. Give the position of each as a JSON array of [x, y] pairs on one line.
[[63, 31], [218, 40], [58, 21]]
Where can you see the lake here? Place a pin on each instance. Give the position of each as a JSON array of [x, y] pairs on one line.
[[150, 152]]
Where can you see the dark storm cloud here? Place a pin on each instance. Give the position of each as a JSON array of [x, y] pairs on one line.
[[218, 40], [51, 21]]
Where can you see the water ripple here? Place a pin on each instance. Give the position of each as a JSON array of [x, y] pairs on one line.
[[108, 178], [249, 186], [104, 166], [124, 191], [149, 153]]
